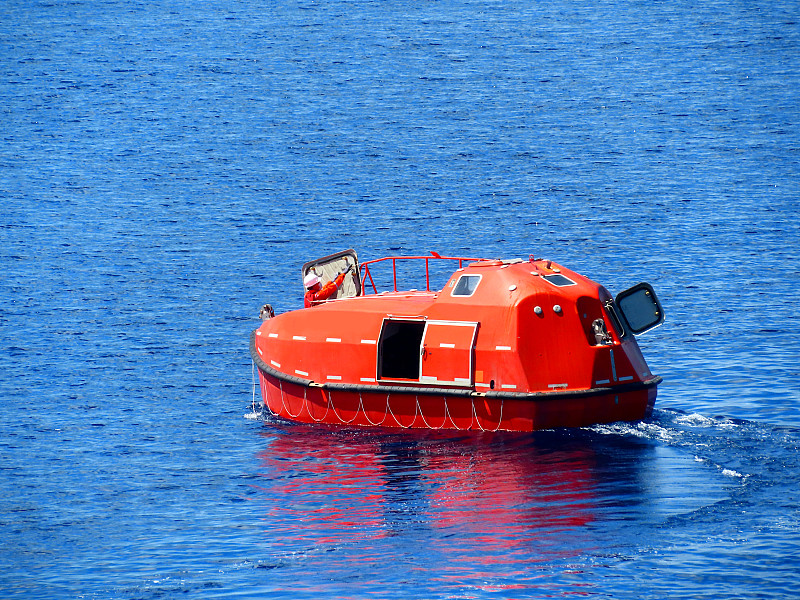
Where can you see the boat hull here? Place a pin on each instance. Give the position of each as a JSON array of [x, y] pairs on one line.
[[406, 409]]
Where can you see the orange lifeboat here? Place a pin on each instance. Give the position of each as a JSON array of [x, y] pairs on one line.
[[512, 345]]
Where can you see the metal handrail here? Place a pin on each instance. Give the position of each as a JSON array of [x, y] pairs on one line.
[[367, 274]]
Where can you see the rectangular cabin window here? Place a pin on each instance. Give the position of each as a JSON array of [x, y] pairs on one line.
[[559, 280], [399, 349], [466, 286]]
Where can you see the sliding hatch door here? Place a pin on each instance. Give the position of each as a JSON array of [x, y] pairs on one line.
[[447, 353]]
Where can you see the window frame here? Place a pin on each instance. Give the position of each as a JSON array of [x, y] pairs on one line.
[[466, 276], [561, 276]]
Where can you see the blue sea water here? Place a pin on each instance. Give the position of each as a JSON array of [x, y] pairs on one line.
[[167, 167]]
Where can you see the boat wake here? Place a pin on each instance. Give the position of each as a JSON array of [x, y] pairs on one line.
[[739, 450]]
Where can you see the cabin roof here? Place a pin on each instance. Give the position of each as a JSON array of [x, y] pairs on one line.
[[504, 283]]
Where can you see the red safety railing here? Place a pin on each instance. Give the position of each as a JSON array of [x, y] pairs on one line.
[[366, 273]]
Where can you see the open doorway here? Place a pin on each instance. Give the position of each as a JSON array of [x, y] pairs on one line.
[[399, 349]]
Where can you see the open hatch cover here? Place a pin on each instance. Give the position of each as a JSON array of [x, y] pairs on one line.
[[640, 308], [329, 267]]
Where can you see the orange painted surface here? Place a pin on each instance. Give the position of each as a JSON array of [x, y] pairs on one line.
[[517, 338]]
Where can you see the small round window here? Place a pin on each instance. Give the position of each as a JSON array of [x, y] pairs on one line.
[[466, 286]]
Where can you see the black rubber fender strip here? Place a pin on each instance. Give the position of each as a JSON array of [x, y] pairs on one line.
[[398, 389]]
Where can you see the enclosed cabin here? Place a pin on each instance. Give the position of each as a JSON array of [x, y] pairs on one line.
[[511, 327], [542, 327]]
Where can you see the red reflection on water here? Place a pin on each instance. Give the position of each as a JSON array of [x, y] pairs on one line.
[[485, 496], [322, 490], [502, 498]]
